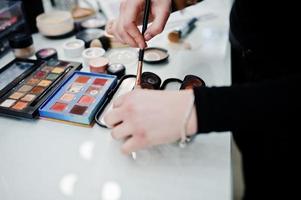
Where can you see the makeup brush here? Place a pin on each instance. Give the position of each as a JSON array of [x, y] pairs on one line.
[[141, 51], [176, 35]]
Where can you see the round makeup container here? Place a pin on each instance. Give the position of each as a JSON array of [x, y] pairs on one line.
[[55, 24], [92, 53], [99, 65], [73, 48], [192, 81], [46, 54], [98, 21], [116, 69], [150, 80], [22, 45], [155, 55]]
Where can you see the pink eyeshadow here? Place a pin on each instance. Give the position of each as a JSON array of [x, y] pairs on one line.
[[86, 99]]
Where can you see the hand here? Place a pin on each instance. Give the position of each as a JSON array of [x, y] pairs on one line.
[[131, 14], [144, 118]]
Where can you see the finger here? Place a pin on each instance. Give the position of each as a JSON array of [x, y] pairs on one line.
[[128, 39], [134, 32], [133, 144], [114, 117], [157, 26], [119, 101], [121, 131]]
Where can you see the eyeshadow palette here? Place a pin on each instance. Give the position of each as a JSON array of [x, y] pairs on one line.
[[79, 97], [25, 84]]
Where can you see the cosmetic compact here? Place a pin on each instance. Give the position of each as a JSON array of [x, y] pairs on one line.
[[99, 65], [150, 80], [22, 45], [91, 54], [73, 48], [78, 98], [46, 54], [88, 35], [192, 81], [153, 55], [55, 24], [25, 84], [116, 69]]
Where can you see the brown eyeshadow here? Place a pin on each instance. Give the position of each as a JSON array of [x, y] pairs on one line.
[[78, 110], [20, 105], [37, 90]]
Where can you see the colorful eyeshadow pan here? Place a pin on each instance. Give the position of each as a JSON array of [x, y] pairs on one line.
[[99, 81], [59, 107], [82, 79], [79, 97], [75, 88], [33, 81], [7, 103], [40, 74], [93, 90], [45, 83], [16, 95], [20, 105], [29, 97], [67, 97], [47, 69], [37, 90], [25, 88], [86, 100], [58, 70], [52, 76], [78, 110]]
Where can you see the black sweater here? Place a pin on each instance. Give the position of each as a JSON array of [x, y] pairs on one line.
[[263, 104]]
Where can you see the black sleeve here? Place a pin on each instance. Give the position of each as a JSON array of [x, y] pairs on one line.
[[271, 105]]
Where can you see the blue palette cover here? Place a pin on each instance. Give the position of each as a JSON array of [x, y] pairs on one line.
[[77, 91]]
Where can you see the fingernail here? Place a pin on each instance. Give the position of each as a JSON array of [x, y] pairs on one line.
[[141, 46], [147, 36]]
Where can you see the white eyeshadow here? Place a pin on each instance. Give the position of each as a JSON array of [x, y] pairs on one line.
[[7, 103]]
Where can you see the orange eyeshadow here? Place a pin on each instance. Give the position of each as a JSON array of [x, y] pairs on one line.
[[99, 81], [44, 83], [82, 79], [67, 97], [16, 95], [59, 107], [37, 90], [33, 81], [86, 99], [20, 105]]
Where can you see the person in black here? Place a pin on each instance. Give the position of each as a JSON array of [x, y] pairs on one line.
[[261, 107]]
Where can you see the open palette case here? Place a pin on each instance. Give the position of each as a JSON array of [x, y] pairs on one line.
[[25, 85]]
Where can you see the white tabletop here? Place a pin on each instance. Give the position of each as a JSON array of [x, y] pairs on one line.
[[50, 160]]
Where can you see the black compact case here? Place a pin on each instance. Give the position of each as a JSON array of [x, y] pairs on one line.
[[25, 84], [149, 80]]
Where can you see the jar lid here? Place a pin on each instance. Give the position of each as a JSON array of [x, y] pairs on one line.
[[20, 40]]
